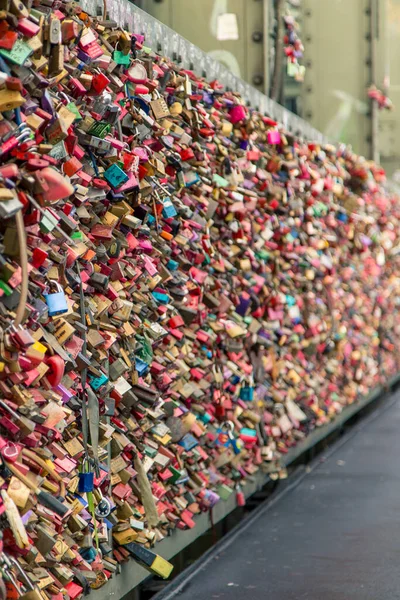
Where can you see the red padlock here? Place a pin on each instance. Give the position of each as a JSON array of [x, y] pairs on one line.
[[10, 452], [57, 368], [219, 411], [240, 499]]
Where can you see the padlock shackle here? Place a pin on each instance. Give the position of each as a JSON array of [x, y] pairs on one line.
[[57, 284], [228, 426]]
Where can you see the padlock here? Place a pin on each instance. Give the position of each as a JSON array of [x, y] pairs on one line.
[[57, 301], [100, 129], [86, 482], [99, 281], [237, 113], [103, 508], [109, 407], [19, 53], [121, 59], [247, 390], [240, 497], [209, 498], [10, 99], [220, 411], [187, 85], [56, 61], [52, 185], [159, 107], [273, 137], [150, 560], [227, 438], [137, 72], [56, 370], [115, 176]]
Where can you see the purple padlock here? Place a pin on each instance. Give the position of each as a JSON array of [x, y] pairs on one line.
[[209, 498]]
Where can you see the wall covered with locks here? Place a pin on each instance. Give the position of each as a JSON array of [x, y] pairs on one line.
[[190, 292], [333, 99]]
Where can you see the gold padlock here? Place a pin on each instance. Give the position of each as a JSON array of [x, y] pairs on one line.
[[10, 99], [160, 108], [18, 9], [56, 62]]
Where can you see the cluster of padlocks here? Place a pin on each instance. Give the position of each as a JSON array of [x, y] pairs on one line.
[[186, 292]]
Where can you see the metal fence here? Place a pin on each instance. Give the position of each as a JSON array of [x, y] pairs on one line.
[[169, 43]]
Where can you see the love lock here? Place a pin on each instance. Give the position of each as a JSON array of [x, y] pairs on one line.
[[103, 508], [56, 302], [247, 390], [86, 480], [226, 437]]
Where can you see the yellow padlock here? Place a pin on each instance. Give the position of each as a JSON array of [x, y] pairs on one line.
[[10, 99]]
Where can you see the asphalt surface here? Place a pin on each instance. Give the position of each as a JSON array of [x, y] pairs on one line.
[[334, 536]]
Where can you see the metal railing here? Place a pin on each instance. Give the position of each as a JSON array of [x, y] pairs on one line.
[[164, 40]]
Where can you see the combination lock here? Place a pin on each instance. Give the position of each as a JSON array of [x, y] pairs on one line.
[[103, 508]]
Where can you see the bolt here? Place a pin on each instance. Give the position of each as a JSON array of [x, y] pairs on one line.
[[257, 36]]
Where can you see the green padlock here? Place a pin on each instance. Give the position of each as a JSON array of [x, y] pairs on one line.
[[59, 151], [100, 129], [18, 54], [121, 59], [73, 108], [47, 222]]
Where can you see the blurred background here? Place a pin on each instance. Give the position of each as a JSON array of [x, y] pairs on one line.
[[333, 62]]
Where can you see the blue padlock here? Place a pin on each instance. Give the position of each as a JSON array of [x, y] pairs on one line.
[[56, 302], [226, 437], [141, 366], [188, 442], [160, 297], [115, 176], [172, 265], [86, 482], [169, 210], [97, 382], [247, 390], [88, 554], [246, 393]]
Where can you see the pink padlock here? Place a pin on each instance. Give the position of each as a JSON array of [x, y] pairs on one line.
[[141, 153], [139, 38], [130, 184], [78, 152], [237, 113], [115, 143], [28, 28], [141, 89], [274, 137]]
